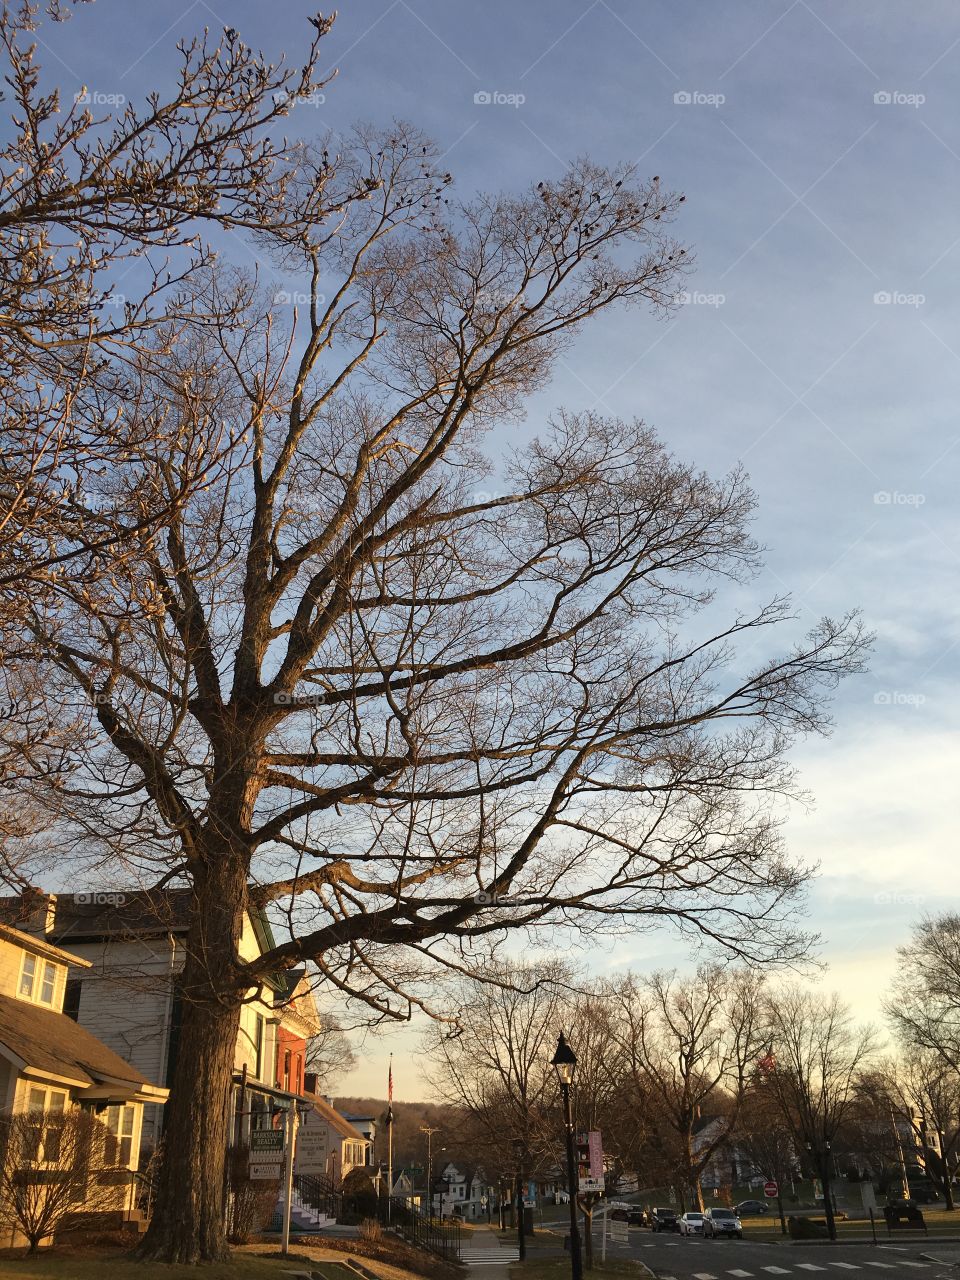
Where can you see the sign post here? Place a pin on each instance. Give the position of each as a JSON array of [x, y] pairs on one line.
[[292, 1118]]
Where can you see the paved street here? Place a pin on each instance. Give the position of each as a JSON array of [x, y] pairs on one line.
[[691, 1259]]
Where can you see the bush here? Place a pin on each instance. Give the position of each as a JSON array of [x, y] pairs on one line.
[[806, 1228], [253, 1202], [371, 1230]]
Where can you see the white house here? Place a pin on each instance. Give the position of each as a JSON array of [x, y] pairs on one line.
[[132, 948], [49, 1064], [467, 1193]]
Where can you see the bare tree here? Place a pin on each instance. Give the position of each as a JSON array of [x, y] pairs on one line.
[[919, 1094], [925, 1006], [817, 1057], [490, 1052], [329, 1053], [345, 679], [692, 1045], [763, 1138], [52, 1173]]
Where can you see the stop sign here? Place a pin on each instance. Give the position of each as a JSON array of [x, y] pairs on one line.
[[770, 1190]]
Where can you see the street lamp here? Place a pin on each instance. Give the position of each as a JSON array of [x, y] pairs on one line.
[[821, 1159], [565, 1062], [521, 1234]]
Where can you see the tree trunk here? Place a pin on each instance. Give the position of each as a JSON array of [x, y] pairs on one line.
[[188, 1218], [587, 1237], [783, 1220]]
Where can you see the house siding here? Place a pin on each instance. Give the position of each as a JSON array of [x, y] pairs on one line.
[[125, 1001]]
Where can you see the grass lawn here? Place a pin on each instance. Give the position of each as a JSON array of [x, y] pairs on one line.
[[247, 1262], [559, 1269]]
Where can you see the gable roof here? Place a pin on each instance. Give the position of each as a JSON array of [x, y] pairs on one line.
[[28, 942], [53, 1044], [126, 913], [336, 1121]]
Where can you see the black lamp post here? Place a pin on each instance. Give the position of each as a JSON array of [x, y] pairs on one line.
[[521, 1234], [565, 1061], [821, 1158]]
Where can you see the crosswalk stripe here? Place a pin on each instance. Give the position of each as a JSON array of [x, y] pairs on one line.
[[810, 1266], [739, 1273], [847, 1266], [703, 1275], [921, 1266], [777, 1271], [887, 1266]]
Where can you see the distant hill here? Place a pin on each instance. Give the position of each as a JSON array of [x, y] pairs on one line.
[[450, 1142]]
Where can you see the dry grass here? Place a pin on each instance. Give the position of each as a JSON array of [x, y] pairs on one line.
[[391, 1259]]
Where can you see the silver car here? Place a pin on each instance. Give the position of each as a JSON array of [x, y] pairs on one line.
[[721, 1222], [691, 1224]]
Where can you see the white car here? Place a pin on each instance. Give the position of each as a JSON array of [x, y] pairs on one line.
[[691, 1224]]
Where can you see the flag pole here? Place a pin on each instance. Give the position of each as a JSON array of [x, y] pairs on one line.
[[390, 1140]]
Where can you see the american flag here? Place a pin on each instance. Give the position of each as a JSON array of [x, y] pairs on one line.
[[390, 1080]]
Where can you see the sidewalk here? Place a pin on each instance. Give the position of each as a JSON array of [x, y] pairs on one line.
[[484, 1255]]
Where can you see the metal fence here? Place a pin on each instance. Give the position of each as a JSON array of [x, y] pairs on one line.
[[441, 1238]]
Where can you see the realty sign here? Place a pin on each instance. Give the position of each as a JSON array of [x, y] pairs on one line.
[[266, 1146], [619, 1231]]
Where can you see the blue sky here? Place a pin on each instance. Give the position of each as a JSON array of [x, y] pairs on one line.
[[818, 146]]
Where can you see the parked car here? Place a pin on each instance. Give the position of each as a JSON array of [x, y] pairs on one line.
[[619, 1215], [721, 1222], [637, 1218], [751, 1208], [662, 1219], [691, 1224]]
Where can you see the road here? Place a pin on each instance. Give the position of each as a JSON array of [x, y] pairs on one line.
[[674, 1258]]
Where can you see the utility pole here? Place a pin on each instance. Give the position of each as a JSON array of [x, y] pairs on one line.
[[429, 1131]]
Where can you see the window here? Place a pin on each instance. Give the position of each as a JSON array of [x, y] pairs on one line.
[[258, 1046], [118, 1148], [47, 1106], [38, 979], [48, 983], [286, 1069], [27, 975], [71, 998]]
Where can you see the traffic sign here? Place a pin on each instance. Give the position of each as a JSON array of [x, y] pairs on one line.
[[770, 1190]]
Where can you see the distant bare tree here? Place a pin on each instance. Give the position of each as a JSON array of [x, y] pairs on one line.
[[52, 1174], [818, 1055], [925, 1005], [491, 1054], [766, 1141], [330, 1054], [920, 1094], [691, 1045]]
